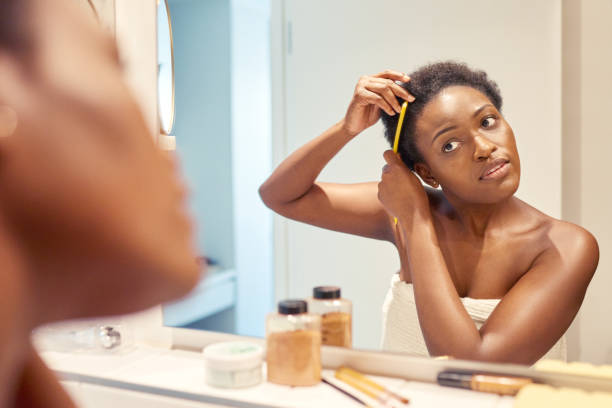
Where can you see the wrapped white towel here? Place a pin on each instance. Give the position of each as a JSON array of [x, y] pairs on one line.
[[402, 332]]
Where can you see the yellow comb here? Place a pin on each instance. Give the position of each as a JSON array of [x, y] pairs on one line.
[[398, 131]]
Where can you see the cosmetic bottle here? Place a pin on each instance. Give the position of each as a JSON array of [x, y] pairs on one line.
[[293, 340], [336, 315]]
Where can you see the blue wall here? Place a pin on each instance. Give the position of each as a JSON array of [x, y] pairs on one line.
[[223, 135], [203, 119]]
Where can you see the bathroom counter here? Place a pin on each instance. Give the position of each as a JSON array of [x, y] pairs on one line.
[[175, 378]]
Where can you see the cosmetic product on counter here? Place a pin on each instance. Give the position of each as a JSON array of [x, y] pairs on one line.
[[336, 315], [540, 395], [345, 392], [497, 384], [85, 336], [293, 338], [368, 386], [233, 364], [575, 368]]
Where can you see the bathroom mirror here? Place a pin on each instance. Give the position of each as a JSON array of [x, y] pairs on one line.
[[165, 55], [256, 80]]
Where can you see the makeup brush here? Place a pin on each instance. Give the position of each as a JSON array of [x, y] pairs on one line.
[[368, 386], [345, 392]]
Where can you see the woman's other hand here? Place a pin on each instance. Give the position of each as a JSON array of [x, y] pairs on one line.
[[372, 93], [400, 190]]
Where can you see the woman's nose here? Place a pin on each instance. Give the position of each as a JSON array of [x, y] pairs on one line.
[[483, 148]]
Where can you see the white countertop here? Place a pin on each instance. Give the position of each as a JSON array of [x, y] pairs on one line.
[[180, 374]]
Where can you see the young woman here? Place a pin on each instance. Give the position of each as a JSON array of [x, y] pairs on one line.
[[464, 236], [92, 217]]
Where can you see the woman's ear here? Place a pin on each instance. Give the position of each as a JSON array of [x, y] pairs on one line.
[[8, 121], [425, 174]]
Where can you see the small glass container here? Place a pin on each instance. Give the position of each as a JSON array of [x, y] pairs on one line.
[[336, 315], [233, 364], [293, 338]]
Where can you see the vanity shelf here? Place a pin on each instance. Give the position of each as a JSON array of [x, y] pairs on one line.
[[175, 378]]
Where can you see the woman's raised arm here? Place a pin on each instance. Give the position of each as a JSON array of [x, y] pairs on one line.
[[292, 190]]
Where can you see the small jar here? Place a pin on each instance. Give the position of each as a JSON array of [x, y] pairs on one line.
[[293, 338], [233, 364], [336, 315]]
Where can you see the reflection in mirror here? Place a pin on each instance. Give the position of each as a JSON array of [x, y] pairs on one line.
[[221, 52], [490, 245], [165, 55]]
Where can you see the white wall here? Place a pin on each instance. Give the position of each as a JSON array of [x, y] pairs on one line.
[[587, 131], [135, 28], [329, 44]]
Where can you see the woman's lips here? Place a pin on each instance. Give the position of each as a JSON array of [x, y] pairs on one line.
[[497, 172]]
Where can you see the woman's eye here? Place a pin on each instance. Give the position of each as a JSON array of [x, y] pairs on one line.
[[488, 122], [450, 146]]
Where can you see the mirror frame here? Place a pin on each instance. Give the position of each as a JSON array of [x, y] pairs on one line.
[[167, 130]]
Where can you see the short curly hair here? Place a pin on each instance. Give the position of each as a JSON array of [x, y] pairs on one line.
[[425, 83]]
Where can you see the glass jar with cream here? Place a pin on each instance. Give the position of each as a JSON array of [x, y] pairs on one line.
[[293, 339]]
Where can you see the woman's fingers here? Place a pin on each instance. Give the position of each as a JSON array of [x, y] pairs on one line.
[[390, 91], [384, 89], [401, 92], [395, 88], [394, 75], [391, 157], [375, 99]]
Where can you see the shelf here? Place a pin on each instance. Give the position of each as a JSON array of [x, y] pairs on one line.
[[215, 292]]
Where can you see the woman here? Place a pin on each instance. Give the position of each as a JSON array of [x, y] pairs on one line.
[[92, 217], [469, 239]]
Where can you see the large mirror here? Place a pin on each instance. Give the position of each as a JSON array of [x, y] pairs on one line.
[[257, 80]]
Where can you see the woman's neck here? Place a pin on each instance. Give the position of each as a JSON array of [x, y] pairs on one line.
[[478, 219]]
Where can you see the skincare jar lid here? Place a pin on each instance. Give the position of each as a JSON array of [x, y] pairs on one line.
[[292, 306], [326, 292], [233, 355]]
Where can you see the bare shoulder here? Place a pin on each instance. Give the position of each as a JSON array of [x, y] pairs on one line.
[[571, 253], [569, 239], [574, 243], [563, 249]]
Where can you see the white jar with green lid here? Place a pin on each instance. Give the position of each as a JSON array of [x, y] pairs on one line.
[[233, 364]]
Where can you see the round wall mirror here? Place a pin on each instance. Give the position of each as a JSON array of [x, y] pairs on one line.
[[165, 67]]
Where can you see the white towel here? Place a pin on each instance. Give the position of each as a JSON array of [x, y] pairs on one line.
[[402, 332]]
